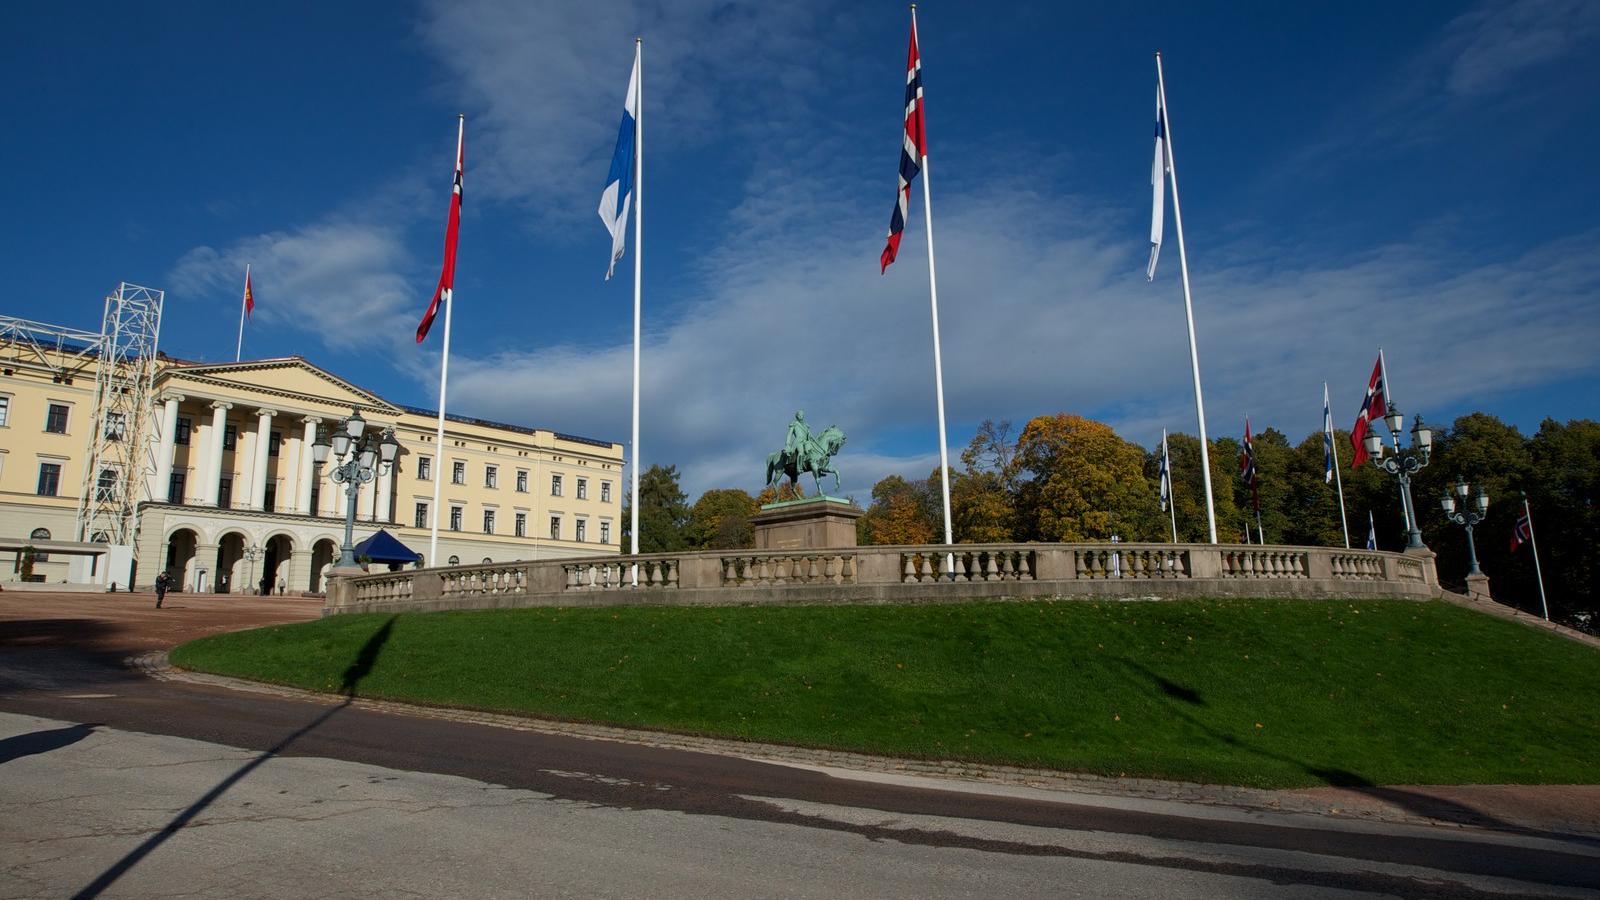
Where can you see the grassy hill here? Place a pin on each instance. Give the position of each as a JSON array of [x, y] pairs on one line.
[[1269, 693]]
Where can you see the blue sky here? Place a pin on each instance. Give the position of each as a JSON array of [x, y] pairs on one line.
[[1413, 175]]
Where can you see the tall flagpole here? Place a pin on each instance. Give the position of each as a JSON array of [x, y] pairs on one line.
[[1537, 572], [938, 365], [1338, 477], [1172, 492], [238, 348], [444, 375], [1188, 305], [638, 257]]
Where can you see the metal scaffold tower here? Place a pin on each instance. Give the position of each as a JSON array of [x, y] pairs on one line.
[[121, 454]]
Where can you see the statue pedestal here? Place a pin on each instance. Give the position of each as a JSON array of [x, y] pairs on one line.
[[813, 523], [1478, 587]]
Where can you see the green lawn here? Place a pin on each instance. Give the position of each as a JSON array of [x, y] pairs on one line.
[[1270, 693]]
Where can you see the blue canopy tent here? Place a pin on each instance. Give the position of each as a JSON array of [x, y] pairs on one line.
[[384, 548]]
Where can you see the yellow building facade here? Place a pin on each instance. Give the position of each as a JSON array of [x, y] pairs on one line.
[[230, 498]]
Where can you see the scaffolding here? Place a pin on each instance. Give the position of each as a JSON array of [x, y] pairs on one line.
[[121, 447]]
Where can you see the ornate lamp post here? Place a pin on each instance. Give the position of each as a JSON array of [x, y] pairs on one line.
[[1403, 465], [358, 457], [1477, 582], [252, 554]]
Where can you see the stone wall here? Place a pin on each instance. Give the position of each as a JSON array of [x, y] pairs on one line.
[[930, 573]]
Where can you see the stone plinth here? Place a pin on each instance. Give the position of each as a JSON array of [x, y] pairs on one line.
[[814, 523], [1478, 587]]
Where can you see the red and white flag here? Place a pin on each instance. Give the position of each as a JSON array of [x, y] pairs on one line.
[[912, 152], [249, 295], [1372, 409], [447, 276]]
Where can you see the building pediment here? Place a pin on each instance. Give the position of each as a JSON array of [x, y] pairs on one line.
[[290, 382]]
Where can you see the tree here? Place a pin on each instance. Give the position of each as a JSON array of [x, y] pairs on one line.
[[1189, 490], [784, 491], [720, 520], [982, 498], [899, 514], [663, 512], [1086, 483]]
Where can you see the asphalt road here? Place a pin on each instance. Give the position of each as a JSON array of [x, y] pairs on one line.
[[115, 784]]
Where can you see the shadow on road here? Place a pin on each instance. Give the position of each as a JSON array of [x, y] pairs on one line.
[[56, 632], [37, 742], [359, 669]]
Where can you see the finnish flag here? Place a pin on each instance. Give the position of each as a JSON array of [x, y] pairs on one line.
[[1158, 189], [1327, 437], [618, 195]]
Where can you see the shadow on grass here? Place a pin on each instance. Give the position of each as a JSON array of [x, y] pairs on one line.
[[359, 669], [1412, 801]]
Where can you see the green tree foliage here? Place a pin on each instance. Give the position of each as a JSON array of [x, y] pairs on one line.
[[1084, 483], [1189, 490], [981, 508], [720, 520], [902, 512], [663, 512]]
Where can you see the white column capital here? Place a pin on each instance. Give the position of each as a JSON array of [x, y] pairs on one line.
[[311, 420], [267, 411], [221, 404], [170, 397]]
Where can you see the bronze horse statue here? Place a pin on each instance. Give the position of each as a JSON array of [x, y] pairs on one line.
[[814, 456]]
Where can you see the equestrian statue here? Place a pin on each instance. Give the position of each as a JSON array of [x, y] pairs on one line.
[[804, 452]]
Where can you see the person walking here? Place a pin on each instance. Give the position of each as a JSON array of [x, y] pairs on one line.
[[161, 588]]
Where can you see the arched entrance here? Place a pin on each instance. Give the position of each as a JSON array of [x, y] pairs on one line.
[[230, 570], [180, 559], [323, 553], [275, 563]]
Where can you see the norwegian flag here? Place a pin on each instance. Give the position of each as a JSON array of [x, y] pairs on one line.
[[1247, 466], [914, 150], [1372, 409], [249, 295], [1522, 533], [447, 276]]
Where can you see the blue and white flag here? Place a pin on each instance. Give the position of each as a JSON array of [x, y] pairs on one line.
[[618, 195], [1166, 473], [1372, 533], [1158, 187], [1327, 437]]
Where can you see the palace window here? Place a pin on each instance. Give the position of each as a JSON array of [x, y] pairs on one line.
[[582, 530], [522, 480], [458, 472], [455, 560], [555, 485], [555, 528], [105, 489], [605, 532], [5, 410], [488, 521], [583, 488], [274, 442], [491, 476], [422, 515], [605, 492], [175, 486], [521, 524], [230, 437], [116, 426], [55, 420], [40, 534], [455, 518], [225, 492], [424, 468], [49, 479], [181, 433]]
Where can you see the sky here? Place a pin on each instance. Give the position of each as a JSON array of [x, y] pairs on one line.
[[1411, 176]]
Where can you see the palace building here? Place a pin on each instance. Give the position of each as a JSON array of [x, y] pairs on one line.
[[205, 471]]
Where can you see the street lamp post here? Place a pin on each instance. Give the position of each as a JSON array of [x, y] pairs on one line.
[[1477, 582], [358, 457], [1403, 465], [252, 554]]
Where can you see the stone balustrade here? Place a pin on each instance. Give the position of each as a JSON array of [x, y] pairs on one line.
[[904, 574]]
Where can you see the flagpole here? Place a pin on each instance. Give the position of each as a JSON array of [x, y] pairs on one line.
[[1338, 477], [1537, 572], [449, 299], [238, 348], [1172, 493], [638, 268], [1188, 305], [938, 364]]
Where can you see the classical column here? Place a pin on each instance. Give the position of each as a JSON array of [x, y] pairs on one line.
[[385, 490], [364, 502], [308, 469], [258, 482], [205, 557], [160, 489], [213, 471]]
